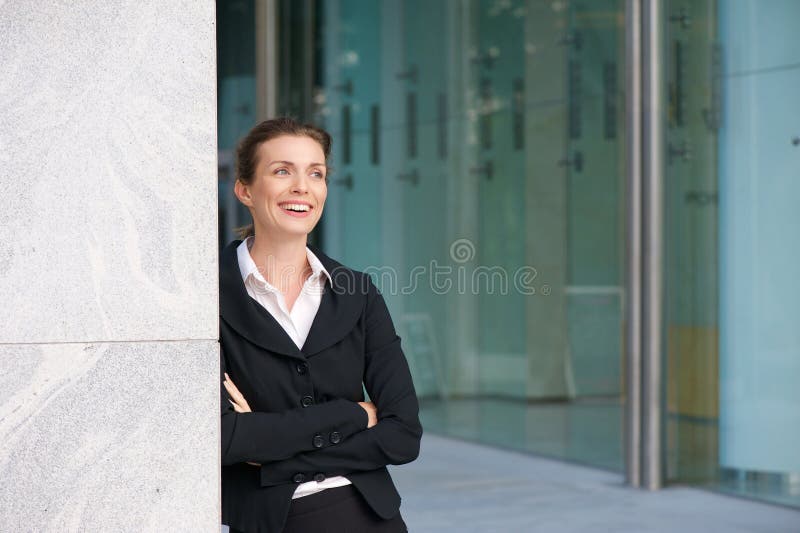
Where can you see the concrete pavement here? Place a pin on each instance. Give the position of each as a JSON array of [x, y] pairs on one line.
[[456, 486]]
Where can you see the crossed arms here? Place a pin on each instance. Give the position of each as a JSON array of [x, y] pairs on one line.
[[336, 437]]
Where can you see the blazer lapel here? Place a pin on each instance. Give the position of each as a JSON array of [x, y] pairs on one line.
[[339, 309], [244, 314]]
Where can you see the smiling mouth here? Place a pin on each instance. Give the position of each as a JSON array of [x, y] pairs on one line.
[[296, 210]]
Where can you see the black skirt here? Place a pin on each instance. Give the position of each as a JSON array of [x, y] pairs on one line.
[[338, 510]]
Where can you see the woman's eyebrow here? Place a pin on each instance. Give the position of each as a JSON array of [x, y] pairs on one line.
[[290, 164]]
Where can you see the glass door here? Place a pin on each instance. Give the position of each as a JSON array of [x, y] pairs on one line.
[[420, 73], [693, 62], [479, 151], [594, 234], [345, 99]]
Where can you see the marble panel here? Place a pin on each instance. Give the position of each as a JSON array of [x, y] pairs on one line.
[[108, 230], [109, 437]]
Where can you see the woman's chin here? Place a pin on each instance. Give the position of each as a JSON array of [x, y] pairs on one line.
[[297, 229], [289, 227]]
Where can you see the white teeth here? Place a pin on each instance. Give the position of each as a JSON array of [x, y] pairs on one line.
[[296, 207]]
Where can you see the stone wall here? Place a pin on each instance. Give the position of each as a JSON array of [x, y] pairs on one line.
[[108, 266]]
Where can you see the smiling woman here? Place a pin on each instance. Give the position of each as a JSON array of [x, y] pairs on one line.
[[301, 338], [281, 166]]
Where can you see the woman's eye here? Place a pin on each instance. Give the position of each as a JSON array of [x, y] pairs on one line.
[[282, 172], [318, 174]]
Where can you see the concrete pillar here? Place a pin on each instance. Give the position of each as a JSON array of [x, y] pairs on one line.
[[108, 266]]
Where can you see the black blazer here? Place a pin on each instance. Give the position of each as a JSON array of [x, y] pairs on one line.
[[305, 422]]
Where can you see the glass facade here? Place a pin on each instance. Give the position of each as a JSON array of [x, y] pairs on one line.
[[479, 172], [479, 175], [236, 102], [733, 178]]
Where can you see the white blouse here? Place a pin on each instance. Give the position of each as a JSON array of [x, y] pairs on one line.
[[296, 322]]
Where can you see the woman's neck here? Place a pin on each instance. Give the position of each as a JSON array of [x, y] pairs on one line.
[[283, 262]]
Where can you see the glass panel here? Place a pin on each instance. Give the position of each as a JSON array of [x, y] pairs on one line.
[[478, 152], [236, 73], [498, 55], [733, 181], [691, 189], [350, 87], [236, 102], [420, 176]]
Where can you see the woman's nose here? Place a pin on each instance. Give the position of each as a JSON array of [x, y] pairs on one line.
[[299, 184]]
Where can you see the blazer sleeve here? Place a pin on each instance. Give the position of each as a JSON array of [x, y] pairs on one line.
[[395, 439], [261, 437]]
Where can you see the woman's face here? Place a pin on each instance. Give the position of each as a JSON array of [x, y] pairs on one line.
[[288, 190]]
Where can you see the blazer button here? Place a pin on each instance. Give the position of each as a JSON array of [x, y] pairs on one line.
[[302, 368], [299, 478], [318, 441], [336, 437], [307, 401], [319, 478]]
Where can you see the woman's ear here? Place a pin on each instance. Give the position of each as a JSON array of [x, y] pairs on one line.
[[242, 192]]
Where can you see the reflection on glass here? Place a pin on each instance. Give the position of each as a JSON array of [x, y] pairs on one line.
[[491, 217], [478, 149], [733, 178], [236, 102]]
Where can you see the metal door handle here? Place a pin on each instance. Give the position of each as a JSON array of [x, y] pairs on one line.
[[682, 151], [683, 19], [487, 58], [375, 134], [572, 39], [487, 169], [346, 182], [576, 162], [411, 177], [485, 123], [347, 123], [441, 136], [346, 87], [518, 114], [410, 74], [411, 125]]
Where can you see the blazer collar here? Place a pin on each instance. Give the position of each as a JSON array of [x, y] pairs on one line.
[[338, 312]]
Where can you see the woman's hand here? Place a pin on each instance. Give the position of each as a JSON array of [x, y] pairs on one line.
[[237, 400], [372, 412]]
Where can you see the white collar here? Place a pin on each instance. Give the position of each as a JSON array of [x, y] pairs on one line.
[[248, 267]]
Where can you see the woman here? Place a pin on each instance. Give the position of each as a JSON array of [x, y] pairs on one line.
[[301, 338]]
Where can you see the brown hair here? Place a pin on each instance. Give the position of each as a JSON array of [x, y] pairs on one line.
[[247, 150]]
